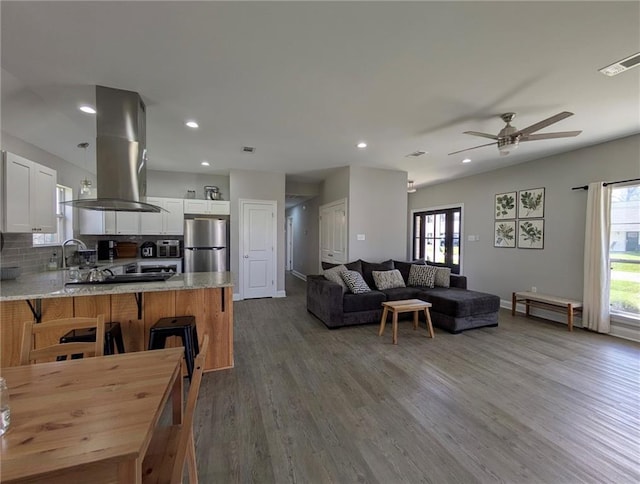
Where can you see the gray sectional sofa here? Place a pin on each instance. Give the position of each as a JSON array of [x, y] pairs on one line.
[[454, 309]]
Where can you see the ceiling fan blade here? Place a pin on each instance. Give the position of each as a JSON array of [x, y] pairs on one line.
[[467, 149], [544, 123], [561, 134], [484, 135]]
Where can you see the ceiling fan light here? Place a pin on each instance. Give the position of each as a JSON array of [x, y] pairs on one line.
[[507, 145]]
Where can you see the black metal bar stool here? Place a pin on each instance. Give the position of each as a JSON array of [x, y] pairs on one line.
[[183, 327], [112, 334]]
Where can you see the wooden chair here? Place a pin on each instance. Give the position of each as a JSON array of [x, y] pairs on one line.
[[56, 328], [164, 461]]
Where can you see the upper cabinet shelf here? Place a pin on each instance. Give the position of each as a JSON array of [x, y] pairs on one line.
[[206, 207]]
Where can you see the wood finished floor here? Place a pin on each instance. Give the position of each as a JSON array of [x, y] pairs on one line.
[[524, 402]]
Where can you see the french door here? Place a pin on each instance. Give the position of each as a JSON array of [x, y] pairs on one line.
[[436, 237]]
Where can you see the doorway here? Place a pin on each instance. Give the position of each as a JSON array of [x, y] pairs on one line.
[[289, 255], [258, 242], [333, 232]]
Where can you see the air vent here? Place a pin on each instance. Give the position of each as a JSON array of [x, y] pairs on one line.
[[415, 154], [248, 149], [622, 65]]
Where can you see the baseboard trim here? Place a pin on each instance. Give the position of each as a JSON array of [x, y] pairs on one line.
[[237, 297], [299, 275]]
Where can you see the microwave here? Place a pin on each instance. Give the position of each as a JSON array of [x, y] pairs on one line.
[[168, 248]]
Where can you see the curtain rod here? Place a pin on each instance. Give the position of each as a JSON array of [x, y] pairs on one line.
[[586, 187]]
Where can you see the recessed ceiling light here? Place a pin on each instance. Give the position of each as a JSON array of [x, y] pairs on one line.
[[417, 153], [466, 160], [361, 145], [85, 108], [192, 124], [204, 163]]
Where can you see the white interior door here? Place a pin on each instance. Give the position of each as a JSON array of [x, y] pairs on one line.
[[257, 257], [333, 232]]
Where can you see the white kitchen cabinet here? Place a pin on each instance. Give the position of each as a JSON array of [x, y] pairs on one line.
[[98, 222], [107, 222], [30, 196], [170, 222], [207, 207], [127, 223], [94, 222]]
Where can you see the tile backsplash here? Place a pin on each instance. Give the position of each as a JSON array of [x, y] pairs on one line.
[[19, 251]]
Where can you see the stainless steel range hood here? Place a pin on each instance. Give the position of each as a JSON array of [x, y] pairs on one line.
[[121, 153]]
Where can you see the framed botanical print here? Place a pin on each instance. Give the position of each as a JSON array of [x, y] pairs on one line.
[[505, 234], [505, 205], [531, 234], [531, 203]]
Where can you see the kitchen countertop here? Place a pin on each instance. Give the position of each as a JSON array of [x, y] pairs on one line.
[[51, 284]]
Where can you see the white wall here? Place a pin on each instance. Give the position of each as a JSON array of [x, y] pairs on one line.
[[558, 268], [303, 188], [335, 186], [377, 209], [175, 184], [257, 185]]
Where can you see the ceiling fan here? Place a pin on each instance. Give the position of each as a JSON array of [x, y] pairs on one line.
[[509, 137]]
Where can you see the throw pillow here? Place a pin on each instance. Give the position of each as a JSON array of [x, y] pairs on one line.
[[423, 276], [388, 279], [352, 266], [355, 282], [442, 277], [369, 267], [405, 267], [333, 275]]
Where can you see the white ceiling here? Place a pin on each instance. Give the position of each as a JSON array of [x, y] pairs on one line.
[[303, 82]]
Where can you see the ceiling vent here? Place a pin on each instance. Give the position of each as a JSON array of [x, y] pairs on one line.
[[622, 65], [415, 154], [248, 149]]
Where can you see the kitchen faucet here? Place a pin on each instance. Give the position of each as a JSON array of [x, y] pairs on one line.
[[80, 243]]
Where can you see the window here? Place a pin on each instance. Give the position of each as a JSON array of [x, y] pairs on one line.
[[64, 218], [624, 250], [436, 237]]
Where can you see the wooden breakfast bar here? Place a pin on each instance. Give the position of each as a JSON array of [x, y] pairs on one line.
[[137, 306]]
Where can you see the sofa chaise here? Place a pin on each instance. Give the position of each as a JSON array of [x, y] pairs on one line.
[[454, 308]]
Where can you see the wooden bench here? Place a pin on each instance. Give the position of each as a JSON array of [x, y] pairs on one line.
[[546, 301]]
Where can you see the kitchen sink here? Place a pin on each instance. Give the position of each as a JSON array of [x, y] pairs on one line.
[[127, 278]]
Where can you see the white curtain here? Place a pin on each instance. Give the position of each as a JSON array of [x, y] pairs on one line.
[[597, 276]]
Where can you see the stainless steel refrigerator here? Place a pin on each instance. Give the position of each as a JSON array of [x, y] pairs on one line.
[[205, 245]]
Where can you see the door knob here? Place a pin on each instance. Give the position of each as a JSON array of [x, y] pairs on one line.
[[246, 256]]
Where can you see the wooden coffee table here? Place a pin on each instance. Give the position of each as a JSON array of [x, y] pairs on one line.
[[405, 306]]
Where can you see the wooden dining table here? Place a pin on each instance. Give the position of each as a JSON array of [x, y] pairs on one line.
[[88, 420]]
